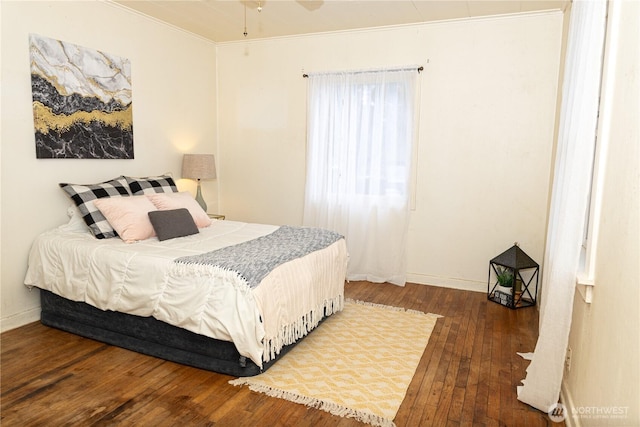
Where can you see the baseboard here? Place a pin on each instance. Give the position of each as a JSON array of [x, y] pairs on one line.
[[20, 319], [444, 282], [567, 401]]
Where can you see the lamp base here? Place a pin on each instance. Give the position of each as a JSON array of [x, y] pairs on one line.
[[199, 198]]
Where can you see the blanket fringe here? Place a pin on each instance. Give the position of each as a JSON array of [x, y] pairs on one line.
[[332, 408], [293, 332], [183, 269]]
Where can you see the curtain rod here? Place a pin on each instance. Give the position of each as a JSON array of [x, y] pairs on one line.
[[419, 69]]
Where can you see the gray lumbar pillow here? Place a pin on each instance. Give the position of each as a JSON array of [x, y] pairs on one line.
[[173, 223]]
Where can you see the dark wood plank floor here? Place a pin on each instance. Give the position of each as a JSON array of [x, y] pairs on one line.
[[467, 375]]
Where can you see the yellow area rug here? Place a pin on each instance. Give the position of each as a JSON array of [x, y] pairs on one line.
[[357, 364]]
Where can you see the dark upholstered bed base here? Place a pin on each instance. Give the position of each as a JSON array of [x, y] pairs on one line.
[[148, 336]]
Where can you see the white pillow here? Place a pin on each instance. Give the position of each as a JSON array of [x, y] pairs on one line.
[[129, 216], [183, 199]]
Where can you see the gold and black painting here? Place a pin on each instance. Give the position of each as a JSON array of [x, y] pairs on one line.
[[81, 101]]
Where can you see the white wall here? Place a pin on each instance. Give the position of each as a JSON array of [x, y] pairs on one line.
[[488, 99], [173, 112], [486, 132], [605, 335]]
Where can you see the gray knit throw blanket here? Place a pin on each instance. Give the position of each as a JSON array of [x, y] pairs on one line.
[[255, 259]]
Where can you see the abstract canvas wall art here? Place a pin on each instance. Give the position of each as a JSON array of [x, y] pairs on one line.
[[81, 101]]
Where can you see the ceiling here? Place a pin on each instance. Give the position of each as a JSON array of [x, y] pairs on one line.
[[224, 20]]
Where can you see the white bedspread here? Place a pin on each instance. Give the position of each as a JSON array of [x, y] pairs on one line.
[[142, 279]]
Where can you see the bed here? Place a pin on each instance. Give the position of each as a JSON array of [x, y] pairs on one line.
[[214, 299]]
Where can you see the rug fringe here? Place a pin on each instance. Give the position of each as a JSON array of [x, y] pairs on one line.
[[332, 408], [390, 307]]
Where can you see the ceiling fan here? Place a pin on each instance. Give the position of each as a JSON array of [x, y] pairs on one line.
[[310, 5]]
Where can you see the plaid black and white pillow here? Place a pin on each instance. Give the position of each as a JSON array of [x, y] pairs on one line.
[[151, 185], [84, 195]]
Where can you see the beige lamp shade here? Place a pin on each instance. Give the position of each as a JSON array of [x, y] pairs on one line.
[[199, 166]]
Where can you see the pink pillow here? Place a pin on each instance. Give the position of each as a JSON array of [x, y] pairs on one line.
[[129, 216], [183, 199]]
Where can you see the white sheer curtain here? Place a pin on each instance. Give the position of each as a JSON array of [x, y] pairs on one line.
[[360, 137], [569, 200]]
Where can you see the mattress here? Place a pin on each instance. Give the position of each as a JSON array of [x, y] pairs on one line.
[[142, 279], [149, 336]]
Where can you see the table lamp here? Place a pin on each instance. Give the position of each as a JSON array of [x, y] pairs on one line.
[[198, 167]]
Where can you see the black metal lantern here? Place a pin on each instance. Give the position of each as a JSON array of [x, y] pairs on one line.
[[513, 279]]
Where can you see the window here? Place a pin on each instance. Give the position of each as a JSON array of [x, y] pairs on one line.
[[361, 128]]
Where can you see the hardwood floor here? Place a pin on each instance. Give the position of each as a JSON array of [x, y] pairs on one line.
[[467, 375]]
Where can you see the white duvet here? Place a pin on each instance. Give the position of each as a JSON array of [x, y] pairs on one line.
[[142, 279]]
